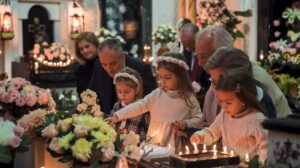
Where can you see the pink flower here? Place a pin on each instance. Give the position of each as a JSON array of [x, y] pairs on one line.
[[19, 130], [298, 44], [277, 34], [276, 23], [15, 142], [20, 101], [14, 95], [43, 98], [31, 100], [5, 97]]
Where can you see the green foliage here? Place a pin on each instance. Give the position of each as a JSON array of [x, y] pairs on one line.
[[5, 154]]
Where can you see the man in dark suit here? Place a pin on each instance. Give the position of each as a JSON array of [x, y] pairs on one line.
[[112, 59], [188, 36]]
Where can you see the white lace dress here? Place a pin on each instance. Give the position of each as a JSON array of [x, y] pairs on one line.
[[165, 108]]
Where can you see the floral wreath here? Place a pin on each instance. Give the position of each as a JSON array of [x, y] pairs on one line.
[[126, 75], [173, 60]]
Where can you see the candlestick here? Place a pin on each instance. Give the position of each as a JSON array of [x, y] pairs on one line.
[[187, 150], [195, 148], [231, 153], [224, 152], [204, 150], [247, 160]]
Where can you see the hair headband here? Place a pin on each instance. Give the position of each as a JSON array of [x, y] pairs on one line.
[[126, 75], [173, 60]]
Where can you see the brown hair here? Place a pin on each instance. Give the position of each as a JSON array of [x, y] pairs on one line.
[[240, 81], [89, 37], [130, 82], [184, 81], [228, 58]]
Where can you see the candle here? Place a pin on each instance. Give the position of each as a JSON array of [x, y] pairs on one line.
[[214, 147], [231, 153], [261, 55], [180, 153], [215, 154], [187, 150], [204, 150], [169, 146], [195, 148], [224, 150], [247, 158]]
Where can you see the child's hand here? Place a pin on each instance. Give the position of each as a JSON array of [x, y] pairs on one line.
[[112, 120], [178, 125], [197, 137]]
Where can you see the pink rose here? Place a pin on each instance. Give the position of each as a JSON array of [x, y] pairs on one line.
[[50, 131], [19, 130], [276, 22], [277, 34], [5, 97], [15, 142], [31, 100], [43, 98], [20, 101]]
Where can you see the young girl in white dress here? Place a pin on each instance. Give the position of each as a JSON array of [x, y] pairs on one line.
[[173, 101], [239, 123], [129, 88]]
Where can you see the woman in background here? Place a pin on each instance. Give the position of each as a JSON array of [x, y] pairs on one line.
[[86, 52]]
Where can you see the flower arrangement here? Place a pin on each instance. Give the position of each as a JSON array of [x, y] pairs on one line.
[[89, 104], [215, 12], [18, 97], [84, 137], [10, 139], [286, 50], [54, 55], [104, 34], [164, 34]]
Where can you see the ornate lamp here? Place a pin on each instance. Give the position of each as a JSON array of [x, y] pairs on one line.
[[76, 21], [6, 22]]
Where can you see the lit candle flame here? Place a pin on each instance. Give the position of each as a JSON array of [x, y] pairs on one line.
[[195, 148], [214, 147], [169, 146], [225, 150], [261, 56], [247, 158], [187, 150], [180, 153], [231, 153]]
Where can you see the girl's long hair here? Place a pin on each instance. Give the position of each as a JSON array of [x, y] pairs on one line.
[[240, 81], [184, 81]]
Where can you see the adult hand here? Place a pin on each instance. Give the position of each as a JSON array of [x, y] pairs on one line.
[[197, 137]]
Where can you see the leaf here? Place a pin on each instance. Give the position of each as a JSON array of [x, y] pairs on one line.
[[239, 34], [254, 162], [246, 13], [5, 154]]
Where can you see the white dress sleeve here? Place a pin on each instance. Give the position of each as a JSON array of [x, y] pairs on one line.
[[139, 107], [214, 132]]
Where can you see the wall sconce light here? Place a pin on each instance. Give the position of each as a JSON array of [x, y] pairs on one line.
[[6, 21], [76, 21]]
